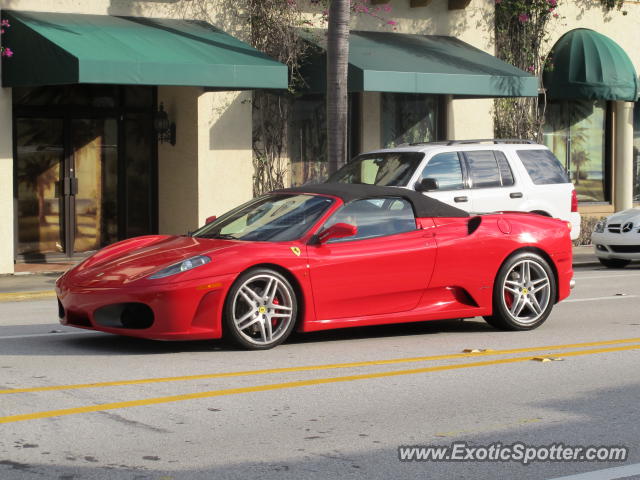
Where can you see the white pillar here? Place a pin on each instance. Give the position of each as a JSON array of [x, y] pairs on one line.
[[6, 183], [210, 169], [449, 118], [225, 152], [178, 165], [623, 161], [371, 121]]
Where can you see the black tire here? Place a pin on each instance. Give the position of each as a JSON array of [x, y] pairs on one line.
[[260, 310], [522, 300], [614, 262]]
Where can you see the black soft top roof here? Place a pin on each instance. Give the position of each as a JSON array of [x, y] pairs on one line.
[[423, 206]]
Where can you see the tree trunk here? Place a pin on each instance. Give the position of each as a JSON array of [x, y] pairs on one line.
[[337, 67]]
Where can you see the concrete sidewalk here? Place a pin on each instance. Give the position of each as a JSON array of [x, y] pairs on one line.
[[24, 286]]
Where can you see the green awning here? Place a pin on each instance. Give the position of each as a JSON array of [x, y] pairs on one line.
[[398, 62], [62, 48], [585, 64]]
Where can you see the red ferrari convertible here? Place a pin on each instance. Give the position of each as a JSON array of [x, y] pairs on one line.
[[320, 257]]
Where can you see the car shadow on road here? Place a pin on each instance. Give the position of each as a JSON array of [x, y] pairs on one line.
[[90, 343]]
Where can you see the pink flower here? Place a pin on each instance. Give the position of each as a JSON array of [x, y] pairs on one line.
[[523, 18], [4, 23], [553, 3], [7, 52], [386, 8], [391, 22]]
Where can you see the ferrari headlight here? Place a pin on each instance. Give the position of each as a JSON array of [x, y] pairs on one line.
[[183, 266], [600, 227]]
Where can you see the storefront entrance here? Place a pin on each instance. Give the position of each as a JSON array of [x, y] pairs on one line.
[[85, 169]]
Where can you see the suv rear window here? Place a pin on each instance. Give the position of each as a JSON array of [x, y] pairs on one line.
[[488, 169], [543, 167]]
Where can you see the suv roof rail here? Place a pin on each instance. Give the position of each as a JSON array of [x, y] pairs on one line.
[[480, 140]]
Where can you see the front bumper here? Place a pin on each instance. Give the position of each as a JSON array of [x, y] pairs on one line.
[[624, 246], [181, 311]]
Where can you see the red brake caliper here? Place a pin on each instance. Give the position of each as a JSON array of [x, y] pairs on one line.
[[508, 299], [274, 321]]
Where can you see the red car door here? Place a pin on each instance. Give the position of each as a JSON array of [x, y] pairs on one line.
[[383, 269]]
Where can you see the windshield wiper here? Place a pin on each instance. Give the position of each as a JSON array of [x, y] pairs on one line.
[[223, 236]]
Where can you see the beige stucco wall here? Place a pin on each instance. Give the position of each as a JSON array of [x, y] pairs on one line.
[[178, 165], [6, 183], [209, 170], [225, 167]]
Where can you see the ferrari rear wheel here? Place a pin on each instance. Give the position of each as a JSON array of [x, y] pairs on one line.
[[523, 294], [260, 310], [614, 262]]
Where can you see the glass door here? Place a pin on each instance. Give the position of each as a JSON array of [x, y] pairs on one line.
[[93, 176], [39, 186], [85, 169]]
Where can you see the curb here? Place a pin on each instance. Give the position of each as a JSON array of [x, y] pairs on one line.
[[22, 296]]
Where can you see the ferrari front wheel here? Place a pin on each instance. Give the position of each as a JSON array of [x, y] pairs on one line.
[[260, 310], [524, 293]]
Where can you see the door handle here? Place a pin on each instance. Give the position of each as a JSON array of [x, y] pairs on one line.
[[516, 195], [73, 185], [70, 186], [460, 199], [66, 186]]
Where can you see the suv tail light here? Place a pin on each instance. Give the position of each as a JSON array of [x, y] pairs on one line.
[[574, 201]]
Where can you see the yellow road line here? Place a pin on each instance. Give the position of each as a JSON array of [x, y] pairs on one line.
[[310, 368], [286, 385], [20, 296]]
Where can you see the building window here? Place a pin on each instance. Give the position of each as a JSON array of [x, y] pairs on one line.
[[576, 132], [409, 118], [308, 137], [636, 153]]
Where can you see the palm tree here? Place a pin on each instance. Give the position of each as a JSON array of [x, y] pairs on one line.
[[337, 68]]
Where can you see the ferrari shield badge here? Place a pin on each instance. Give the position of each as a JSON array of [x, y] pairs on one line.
[[296, 251]]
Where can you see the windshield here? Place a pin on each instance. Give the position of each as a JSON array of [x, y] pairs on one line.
[[385, 169], [272, 218]]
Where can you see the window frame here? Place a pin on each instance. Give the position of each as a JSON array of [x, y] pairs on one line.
[[493, 152], [463, 169]]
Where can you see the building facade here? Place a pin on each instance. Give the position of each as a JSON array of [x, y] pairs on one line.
[[88, 155]]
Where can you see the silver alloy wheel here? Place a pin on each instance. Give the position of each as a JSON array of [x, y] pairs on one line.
[[262, 309], [526, 291]]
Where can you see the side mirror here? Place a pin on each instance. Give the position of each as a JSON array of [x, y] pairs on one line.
[[210, 219], [426, 185], [338, 230]]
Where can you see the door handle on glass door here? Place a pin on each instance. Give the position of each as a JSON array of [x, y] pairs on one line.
[[74, 185]]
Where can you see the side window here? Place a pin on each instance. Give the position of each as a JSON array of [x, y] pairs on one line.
[[445, 168], [505, 170], [375, 217], [543, 167], [483, 169]]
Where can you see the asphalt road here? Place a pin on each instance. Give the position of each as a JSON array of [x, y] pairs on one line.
[[345, 403]]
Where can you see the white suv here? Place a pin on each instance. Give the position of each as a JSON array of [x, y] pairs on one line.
[[475, 175]]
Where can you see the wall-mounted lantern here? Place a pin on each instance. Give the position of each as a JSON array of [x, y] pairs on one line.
[[165, 129]]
